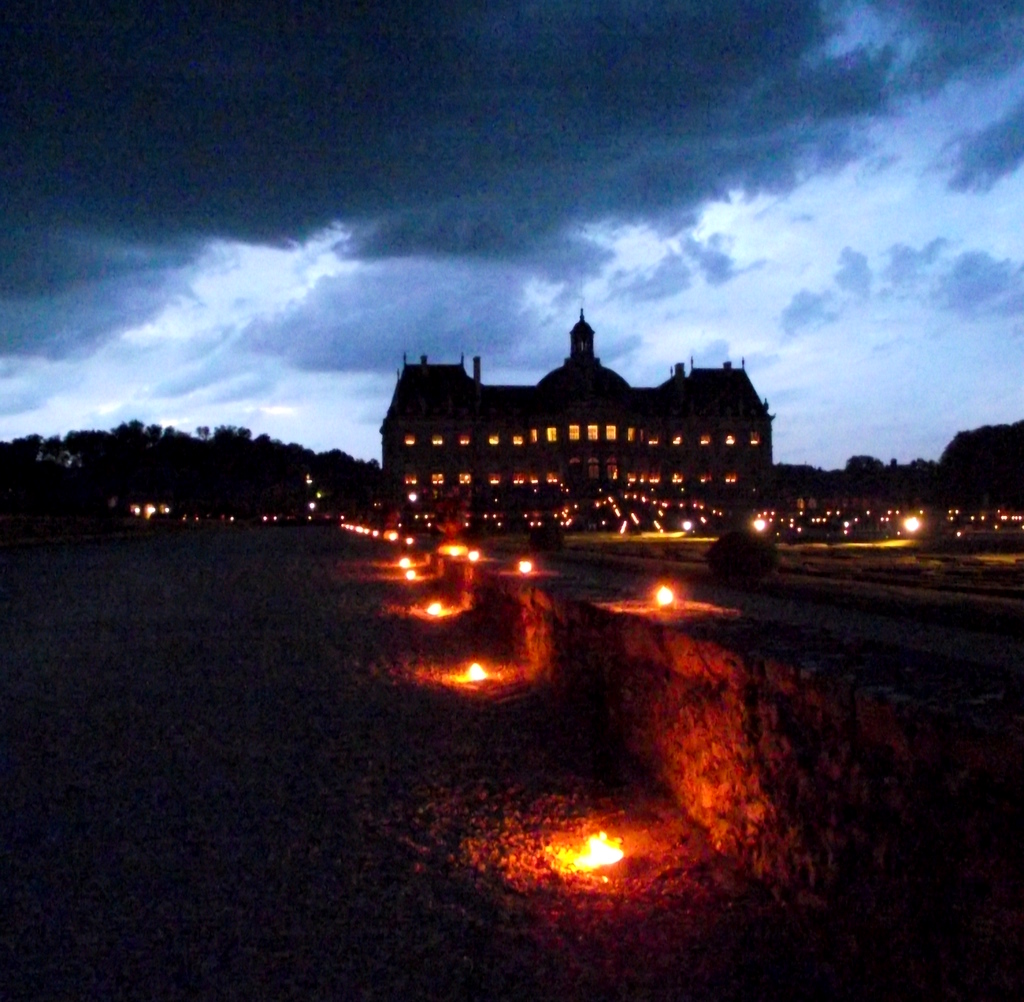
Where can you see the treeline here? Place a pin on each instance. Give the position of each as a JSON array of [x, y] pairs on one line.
[[979, 469], [226, 472]]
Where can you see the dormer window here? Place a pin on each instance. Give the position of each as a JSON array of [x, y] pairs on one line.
[[464, 439], [410, 439], [705, 440], [493, 439], [755, 438], [517, 439], [730, 439], [437, 440]]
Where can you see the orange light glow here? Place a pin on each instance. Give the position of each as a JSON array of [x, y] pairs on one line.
[[473, 556], [410, 575], [525, 566], [599, 852], [664, 596], [452, 550], [475, 673], [409, 540], [434, 609], [391, 535], [405, 563]]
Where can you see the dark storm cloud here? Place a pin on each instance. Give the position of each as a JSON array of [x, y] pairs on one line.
[[808, 309], [714, 262], [458, 127], [854, 275], [985, 157], [979, 283]]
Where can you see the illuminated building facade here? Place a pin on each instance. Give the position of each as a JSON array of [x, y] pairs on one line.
[[581, 430]]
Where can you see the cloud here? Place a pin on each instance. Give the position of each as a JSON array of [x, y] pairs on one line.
[[854, 275], [808, 309], [715, 264], [990, 154], [906, 263], [669, 277], [978, 283]]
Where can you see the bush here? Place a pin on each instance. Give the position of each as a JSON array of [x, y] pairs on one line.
[[742, 556]]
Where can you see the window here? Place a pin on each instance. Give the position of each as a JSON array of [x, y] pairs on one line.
[[519, 478], [534, 479], [465, 478], [630, 434], [591, 432], [677, 439], [730, 439], [552, 478], [610, 432], [755, 438], [493, 439], [552, 434], [494, 478], [410, 439], [437, 440], [705, 440], [654, 478], [533, 436], [517, 439], [410, 479], [574, 433], [437, 479], [464, 439], [612, 470], [677, 478], [730, 478], [705, 478], [653, 440], [593, 468], [630, 478]]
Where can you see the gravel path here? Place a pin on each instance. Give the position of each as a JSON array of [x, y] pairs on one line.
[[229, 770]]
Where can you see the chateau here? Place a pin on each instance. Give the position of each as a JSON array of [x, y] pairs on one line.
[[581, 430]]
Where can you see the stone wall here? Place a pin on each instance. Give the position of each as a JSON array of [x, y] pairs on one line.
[[894, 828]]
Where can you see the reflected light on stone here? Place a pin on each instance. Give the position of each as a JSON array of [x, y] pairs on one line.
[[599, 852]]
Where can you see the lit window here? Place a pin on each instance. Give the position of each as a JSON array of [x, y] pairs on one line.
[[437, 440], [677, 478], [730, 439], [533, 436], [519, 478], [534, 479], [493, 439], [653, 440], [410, 479], [755, 438], [677, 439], [610, 432], [465, 478], [494, 478], [705, 440], [593, 468], [591, 432], [552, 478], [612, 471], [517, 439], [574, 433], [654, 478], [552, 434], [437, 478], [630, 478], [464, 439], [705, 478], [630, 434], [730, 478], [410, 439]]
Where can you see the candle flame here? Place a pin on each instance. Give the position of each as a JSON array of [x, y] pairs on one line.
[[525, 566], [664, 596], [405, 563], [475, 673], [434, 609], [473, 556], [410, 575]]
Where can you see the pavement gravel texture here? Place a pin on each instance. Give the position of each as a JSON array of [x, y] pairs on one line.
[[232, 766]]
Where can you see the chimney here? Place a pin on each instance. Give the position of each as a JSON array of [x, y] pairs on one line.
[[423, 364], [727, 365], [476, 380], [680, 375]]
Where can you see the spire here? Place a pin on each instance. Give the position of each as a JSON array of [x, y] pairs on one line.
[[581, 340]]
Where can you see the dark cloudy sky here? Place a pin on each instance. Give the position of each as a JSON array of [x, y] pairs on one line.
[[246, 219]]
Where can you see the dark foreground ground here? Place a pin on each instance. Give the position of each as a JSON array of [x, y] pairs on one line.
[[224, 774]]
